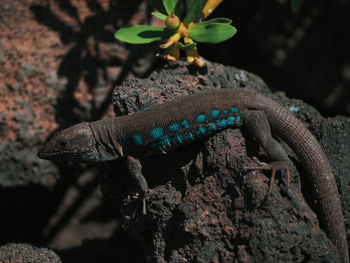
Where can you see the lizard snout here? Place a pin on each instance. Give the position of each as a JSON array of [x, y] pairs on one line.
[[41, 153]]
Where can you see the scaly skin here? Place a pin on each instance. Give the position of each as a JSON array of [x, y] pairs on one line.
[[168, 126]]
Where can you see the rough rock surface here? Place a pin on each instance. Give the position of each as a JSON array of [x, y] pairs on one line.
[[203, 206], [24, 253], [59, 63]]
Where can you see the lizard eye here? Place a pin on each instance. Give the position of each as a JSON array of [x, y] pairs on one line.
[[63, 143]]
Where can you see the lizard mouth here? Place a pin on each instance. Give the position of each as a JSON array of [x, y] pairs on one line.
[[61, 156], [43, 154]]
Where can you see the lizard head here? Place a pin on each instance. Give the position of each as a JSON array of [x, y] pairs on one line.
[[74, 143]]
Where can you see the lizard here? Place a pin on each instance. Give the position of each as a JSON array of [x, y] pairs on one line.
[[171, 125]]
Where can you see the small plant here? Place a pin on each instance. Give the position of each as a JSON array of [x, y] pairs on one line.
[[181, 31]]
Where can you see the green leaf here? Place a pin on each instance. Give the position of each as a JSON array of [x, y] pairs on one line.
[[178, 9], [211, 33], [142, 34], [221, 20], [157, 5], [193, 10], [170, 5], [186, 46], [159, 15], [296, 4]]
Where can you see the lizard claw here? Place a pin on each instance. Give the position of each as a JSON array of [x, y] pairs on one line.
[[274, 167], [142, 201]]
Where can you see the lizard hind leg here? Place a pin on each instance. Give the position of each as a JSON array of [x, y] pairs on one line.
[[135, 170], [257, 124]]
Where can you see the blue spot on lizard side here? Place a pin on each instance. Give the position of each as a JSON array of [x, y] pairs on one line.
[[234, 109], [222, 123], [202, 130], [238, 119], [185, 124], [157, 132], [212, 126], [178, 139], [142, 109], [174, 127], [138, 140], [231, 120], [201, 117], [190, 136], [215, 113], [164, 143]]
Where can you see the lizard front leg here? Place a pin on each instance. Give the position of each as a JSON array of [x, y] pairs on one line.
[[134, 168], [258, 126]]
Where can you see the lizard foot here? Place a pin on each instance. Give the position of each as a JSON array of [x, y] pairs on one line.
[[274, 167], [141, 200]]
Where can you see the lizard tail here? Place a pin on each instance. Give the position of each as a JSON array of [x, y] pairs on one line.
[[310, 153]]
